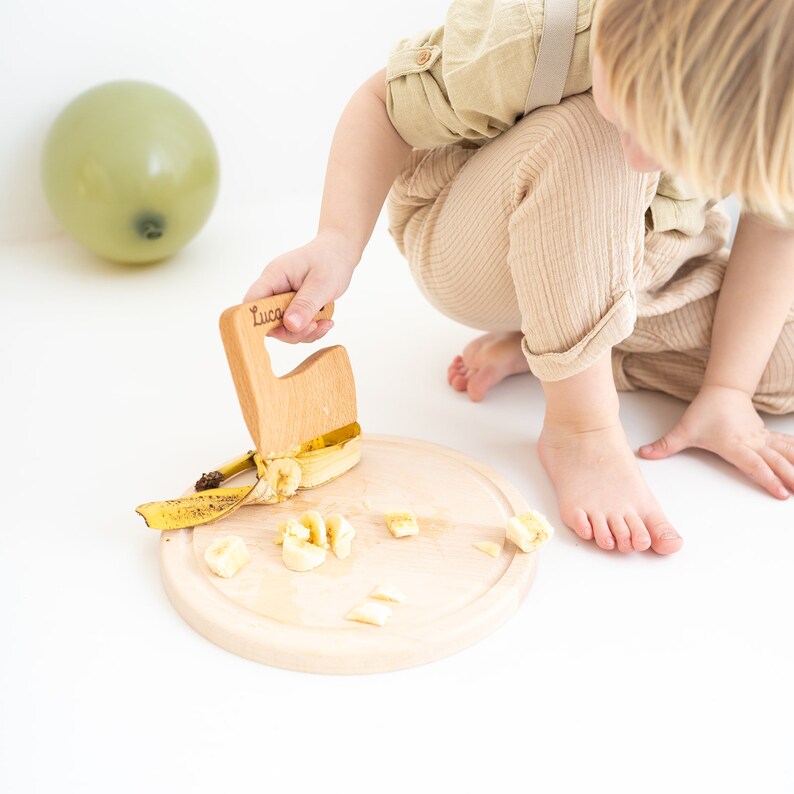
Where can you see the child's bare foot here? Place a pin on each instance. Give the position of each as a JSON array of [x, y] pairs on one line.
[[601, 491], [486, 361]]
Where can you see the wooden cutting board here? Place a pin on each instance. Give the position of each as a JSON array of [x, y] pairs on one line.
[[456, 594]]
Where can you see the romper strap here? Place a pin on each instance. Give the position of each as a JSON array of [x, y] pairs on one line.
[[554, 53]]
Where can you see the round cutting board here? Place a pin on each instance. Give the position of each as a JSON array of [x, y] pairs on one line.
[[456, 594]]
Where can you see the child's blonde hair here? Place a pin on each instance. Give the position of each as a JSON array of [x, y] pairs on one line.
[[707, 87]]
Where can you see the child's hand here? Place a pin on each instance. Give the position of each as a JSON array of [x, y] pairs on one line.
[[724, 421], [319, 272]]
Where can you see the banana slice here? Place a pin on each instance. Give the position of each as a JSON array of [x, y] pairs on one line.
[[489, 547], [294, 529], [225, 556], [300, 555], [283, 476], [529, 530], [387, 592], [402, 523], [340, 533], [317, 532], [368, 612]]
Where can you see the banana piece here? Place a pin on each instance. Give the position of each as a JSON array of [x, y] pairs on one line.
[[204, 507], [283, 476], [190, 511], [279, 475], [316, 526], [340, 534], [529, 530], [300, 555], [401, 524], [387, 592], [225, 556], [294, 529], [369, 612], [489, 547]]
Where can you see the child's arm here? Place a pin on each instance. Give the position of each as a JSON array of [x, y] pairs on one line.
[[756, 296], [366, 156]]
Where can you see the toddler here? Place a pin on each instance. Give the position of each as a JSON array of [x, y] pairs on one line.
[[550, 171]]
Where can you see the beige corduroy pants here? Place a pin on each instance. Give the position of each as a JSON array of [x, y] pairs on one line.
[[542, 230]]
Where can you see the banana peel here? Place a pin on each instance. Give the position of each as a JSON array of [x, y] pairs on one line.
[[309, 465]]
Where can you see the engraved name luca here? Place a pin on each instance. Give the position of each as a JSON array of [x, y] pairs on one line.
[[263, 318]]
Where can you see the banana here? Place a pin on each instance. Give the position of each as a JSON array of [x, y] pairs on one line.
[[283, 476], [401, 524], [300, 555], [333, 438], [326, 463], [369, 612], [489, 547], [204, 507], [225, 556], [529, 530], [292, 528], [316, 526], [278, 477], [235, 466], [340, 534], [387, 592]]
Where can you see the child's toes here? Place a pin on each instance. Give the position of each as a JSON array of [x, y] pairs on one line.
[[578, 522], [576, 519], [459, 382], [457, 375], [481, 382], [455, 368], [664, 538], [603, 537], [620, 532], [640, 539]]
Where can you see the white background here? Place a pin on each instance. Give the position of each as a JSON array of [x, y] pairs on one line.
[[618, 674], [269, 79]]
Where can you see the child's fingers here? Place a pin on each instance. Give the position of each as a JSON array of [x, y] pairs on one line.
[[759, 471], [270, 282], [313, 294], [784, 444], [283, 334], [293, 337], [311, 333], [667, 445], [782, 468], [321, 329]]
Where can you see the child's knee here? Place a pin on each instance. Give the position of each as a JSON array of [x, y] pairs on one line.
[[572, 146], [425, 175]]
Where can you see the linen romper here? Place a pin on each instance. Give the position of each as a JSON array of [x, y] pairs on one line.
[[514, 217]]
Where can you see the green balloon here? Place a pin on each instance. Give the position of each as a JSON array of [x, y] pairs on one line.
[[130, 171]]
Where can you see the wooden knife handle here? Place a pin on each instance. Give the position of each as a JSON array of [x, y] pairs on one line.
[[265, 314], [309, 401]]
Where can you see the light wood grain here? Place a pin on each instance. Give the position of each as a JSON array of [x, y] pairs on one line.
[[456, 595], [318, 396]]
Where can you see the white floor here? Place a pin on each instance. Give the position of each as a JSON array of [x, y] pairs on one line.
[[618, 674]]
